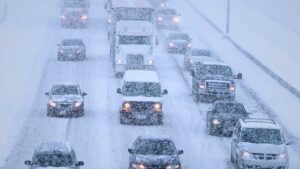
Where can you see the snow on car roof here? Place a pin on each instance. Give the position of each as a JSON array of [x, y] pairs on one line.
[[140, 76], [51, 146], [214, 63], [259, 123], [66, 84]]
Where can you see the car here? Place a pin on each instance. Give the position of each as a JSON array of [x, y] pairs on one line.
[[158, 3], [54, 155], [212, 81], [65, 100], [259, 143], [74, 13], [178, 43], [167, 18], [71, 49], [141, 98], [195, 55], [154, 153], [222, 117]]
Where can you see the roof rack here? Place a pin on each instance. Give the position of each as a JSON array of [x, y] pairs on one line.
[[259, 120]]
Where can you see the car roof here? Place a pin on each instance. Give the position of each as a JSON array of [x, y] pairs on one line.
[[259, 123], [227, 102], [154, 138], [213, 63], [53, 146], [66, 84], [140, 76]]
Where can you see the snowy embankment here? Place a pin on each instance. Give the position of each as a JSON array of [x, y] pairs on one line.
[[282, 104], [23, 44]]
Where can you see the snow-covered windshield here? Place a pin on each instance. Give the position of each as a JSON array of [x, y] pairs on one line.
[[147, 89], [232, 108], [74, 3], [65, 90], [214, 70], [261, 136], [72, 42], [179, 36], [137, 40], [155, 147], [196, 52], [166, 12], [134, 14], [52, 159]]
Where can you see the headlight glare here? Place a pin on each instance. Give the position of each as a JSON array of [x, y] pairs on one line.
[[232, 87], [189, 45], [202, 86], [150, 62], [52, 103], [171, 44], [119, 61], [83, 17], [282, 156], [126, 106], [160, 18], [78, 104], [216, 122], [176, 19], [246, 154], [157, 107], [173, 166], [138, 166]]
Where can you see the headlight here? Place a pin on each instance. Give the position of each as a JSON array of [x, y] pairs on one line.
[[172, 167], [176, 19], [138, 166], [109, 20], [61, 51], [126, 107], [282, 156], [202, 86], [160, 18], [191, 60], [52, 103], [119, 61], [78, 104], [150, 62], [189, 45], [162, 5], [157, 107], [83, 17], [232, 87], [63, 17], [216, 122], [246, 154], [78, 51], [171, 44]]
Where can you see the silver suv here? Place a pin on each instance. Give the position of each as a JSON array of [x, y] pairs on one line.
[[259, 143]]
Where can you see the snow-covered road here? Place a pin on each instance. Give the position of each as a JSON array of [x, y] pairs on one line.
[[98, 138]]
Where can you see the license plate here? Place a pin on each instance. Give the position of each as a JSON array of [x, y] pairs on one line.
[[141, 116]]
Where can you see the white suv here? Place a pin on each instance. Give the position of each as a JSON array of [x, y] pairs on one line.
[[259, 143]]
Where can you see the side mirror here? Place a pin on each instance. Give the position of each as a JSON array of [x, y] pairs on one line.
[[165, 91], [27, 162], [130, 150], [79, 163], [84, 94], [180, 152], [47, 93], [192, 73], [119, 91], [239, 76]]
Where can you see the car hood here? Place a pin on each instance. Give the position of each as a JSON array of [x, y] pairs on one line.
[[142, 99], [66, 98], [263, 148], [156, 159], [134, 49]]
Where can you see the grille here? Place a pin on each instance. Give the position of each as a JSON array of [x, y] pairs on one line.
[[217, 86], [141, 106], [135, 59], [262, 156], [65, 105]]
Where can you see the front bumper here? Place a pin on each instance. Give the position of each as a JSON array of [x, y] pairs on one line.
[[65, 112], [258, 164], [147, 117], [216, 95], [71, 55], [74, 22]]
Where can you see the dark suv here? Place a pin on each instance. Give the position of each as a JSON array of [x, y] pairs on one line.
[[65, 100], [149, 153], [222, 117], [54, 154]]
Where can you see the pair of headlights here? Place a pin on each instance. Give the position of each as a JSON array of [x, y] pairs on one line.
[[141, 166], [247, 155], [127, 107], [54, 104]]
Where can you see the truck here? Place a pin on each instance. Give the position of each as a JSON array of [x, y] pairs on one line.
[[132, 35]]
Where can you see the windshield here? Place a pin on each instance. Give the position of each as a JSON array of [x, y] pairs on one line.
[[231, 108], [71, 43], [65, 90], [261, 136], [167, 12], [53, 160], [199, 53], [74, 3], [179, 37], [134, 14], [142, 89], [155, 147], [137, 40], [214, 70]]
